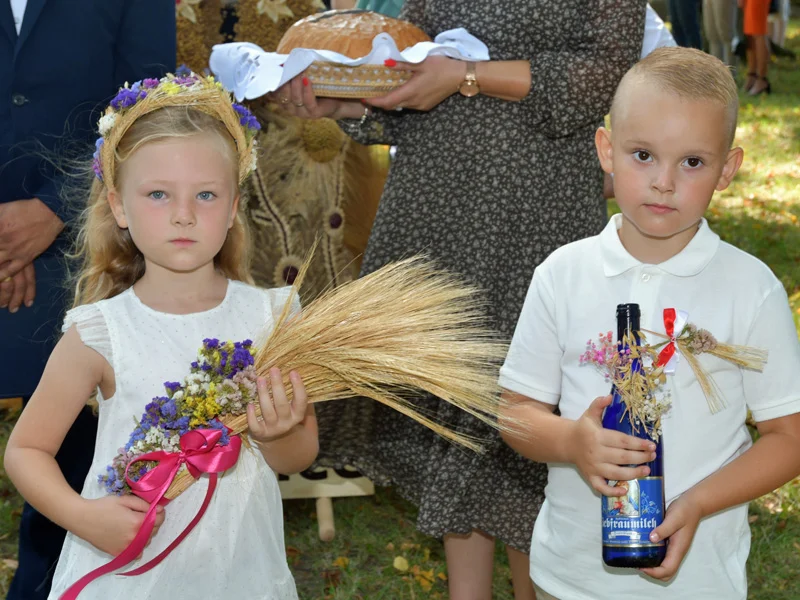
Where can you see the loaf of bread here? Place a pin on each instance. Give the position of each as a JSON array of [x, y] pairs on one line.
[[348, 32]]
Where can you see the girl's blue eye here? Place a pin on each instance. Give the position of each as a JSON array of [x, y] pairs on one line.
[[206, 195], [157, 195], [693, 162]]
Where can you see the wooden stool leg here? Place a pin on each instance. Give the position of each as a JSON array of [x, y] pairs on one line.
[[325, 519]]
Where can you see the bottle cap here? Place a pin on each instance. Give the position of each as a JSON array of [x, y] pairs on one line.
[[628, 310]]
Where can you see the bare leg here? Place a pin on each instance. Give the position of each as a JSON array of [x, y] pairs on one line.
[[751, 64], [520, 574], [761, 52], [470, 565]]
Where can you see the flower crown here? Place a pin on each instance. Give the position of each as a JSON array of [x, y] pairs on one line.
[[191, 90]]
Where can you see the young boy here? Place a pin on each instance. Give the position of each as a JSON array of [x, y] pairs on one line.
[[673, 121]]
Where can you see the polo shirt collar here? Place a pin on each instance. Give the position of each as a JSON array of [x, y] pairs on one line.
[[689, 261]]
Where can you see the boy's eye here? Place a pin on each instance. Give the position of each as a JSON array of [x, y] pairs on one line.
[[642, 155], [206, 195], [693, 162], [157, 195]]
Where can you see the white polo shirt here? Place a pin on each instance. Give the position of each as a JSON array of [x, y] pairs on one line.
[[572, 299]]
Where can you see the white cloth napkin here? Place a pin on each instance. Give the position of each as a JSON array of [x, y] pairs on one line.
[[250, 72]]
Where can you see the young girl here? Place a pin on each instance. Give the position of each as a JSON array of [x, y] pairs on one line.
[[165, 266]]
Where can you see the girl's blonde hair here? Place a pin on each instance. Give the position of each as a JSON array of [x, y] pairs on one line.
[[110, 261]]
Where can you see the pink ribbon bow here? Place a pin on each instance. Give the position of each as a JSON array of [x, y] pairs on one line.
[[674, 322], [201, 454]]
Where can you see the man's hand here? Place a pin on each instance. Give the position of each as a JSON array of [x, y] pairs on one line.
[[27, 228], [19, 289]]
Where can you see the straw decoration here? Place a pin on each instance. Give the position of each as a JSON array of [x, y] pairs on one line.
[[199, 93], [693, 341], [405, 329]]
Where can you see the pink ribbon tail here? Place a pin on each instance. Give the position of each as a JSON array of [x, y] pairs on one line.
[[201, 454], [128, 555], [212, 484]]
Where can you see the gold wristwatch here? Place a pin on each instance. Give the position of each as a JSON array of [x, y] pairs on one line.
[[469, 87]]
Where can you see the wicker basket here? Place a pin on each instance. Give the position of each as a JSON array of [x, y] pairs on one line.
[[334, 80], [182, 482]]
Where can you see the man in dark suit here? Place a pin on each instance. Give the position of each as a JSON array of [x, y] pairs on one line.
[[60, 62]]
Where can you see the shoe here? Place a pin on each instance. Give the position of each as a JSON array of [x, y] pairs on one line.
[[781, 52], [760, 88]]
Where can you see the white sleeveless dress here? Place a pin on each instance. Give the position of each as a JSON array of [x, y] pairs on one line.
[[237, 549]]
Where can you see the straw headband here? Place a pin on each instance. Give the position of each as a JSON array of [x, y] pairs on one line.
[[193, 91]]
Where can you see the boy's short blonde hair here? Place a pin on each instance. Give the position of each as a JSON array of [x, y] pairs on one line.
[[688, 73]]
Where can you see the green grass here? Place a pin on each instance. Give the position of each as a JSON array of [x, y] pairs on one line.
[[10, 511], [759, 213]]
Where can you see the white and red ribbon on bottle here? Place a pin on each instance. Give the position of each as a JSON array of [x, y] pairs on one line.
[[674, 322]]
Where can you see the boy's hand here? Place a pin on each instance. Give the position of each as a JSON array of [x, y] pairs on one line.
[[599, 452], [278, 415], [680, 524], [114, 521]]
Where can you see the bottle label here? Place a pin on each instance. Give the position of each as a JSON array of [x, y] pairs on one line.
[[628, 520]]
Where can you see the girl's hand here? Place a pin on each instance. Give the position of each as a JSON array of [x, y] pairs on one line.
[[680, 524], [599, 452], [114, 521], [278, 415], [433, 80], [297, 98]]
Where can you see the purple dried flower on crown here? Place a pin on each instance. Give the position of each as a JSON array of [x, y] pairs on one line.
[[127, 97], [186, 80], [96, 166], [246, 118]]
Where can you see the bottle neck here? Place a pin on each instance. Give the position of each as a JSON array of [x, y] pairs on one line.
[[627, 326]]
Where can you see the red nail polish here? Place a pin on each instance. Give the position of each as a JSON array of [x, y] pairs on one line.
[[363, 100], [390, 62], [305, 81]]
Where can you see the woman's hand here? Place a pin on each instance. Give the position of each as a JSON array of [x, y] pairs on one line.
[[113, 522], [279, 416], [599, 452], [297, 98], [433, 80]]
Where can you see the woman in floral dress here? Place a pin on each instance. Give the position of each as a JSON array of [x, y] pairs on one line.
[[488, 186]]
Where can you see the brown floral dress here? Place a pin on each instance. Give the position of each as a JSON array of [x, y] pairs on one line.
[[487, 188]]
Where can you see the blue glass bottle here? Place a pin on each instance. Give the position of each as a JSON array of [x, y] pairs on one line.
[[629, 519]]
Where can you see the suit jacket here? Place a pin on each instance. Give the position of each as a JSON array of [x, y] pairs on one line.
[[67, 62]]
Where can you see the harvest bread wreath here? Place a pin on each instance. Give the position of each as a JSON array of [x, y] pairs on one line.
[[350, 33]]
